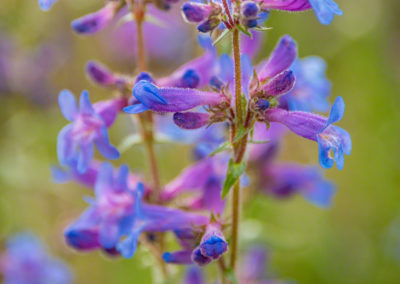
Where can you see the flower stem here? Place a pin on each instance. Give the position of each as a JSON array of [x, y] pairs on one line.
[[146, 119], [239, 150], [146, 125], [238, 81]]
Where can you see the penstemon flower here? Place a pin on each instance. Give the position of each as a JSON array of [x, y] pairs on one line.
[[88, 125], [319, 129]]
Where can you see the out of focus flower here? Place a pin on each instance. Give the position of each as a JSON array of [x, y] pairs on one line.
[[173, 44], [94, 22], [312, 88], [88, 125], [204, 177], [282, 180], [193, 275], [118, 211], [26, 261]]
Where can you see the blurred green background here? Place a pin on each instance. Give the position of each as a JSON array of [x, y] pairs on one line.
[[357, 240]]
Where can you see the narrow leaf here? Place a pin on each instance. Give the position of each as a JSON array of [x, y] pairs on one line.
[[258, 142], [224, 146], [221, 37], [262, 29], [244, 30], [232, 176]]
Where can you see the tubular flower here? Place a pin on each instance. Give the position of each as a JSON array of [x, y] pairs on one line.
[[26, 260], [283, 180], [118, 211], [167, 99], [206, 177], [94, 22], [281, 58], [325, 10], [320, 129], [88, 125]]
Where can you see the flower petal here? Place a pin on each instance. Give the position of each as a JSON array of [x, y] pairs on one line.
[[67, 103]]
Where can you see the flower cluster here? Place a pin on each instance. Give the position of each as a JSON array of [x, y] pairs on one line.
[[234, 113]]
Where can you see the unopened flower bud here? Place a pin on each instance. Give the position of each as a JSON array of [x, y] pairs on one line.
[[191, 120], [213, 243], [280, 84], [249, 9], [99, 74]]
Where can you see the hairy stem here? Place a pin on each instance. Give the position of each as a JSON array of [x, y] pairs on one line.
[[238, 149], [238, 81]]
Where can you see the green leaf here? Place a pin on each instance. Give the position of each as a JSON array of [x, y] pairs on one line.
[[232, 176], [262, 29], [258, 142], [221, 37], [244, 30], [231, 276], [129, 141], [224, 146]]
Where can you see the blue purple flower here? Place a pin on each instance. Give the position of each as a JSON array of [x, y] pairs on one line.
[[88, 125], [320, 129]]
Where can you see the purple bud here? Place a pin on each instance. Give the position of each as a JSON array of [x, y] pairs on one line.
[[198, 258], [99, 74], [94, 22], [281, 84], [190, 79], [191, 120], [196, 12], [213, 243], [249, 9]]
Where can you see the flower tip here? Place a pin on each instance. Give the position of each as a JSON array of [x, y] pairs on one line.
[[99, 73], [147, 93]]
